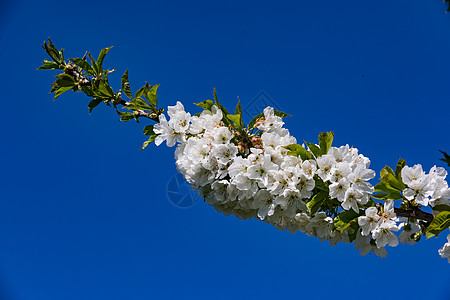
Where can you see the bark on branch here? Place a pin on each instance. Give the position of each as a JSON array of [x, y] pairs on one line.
[[415, 213]]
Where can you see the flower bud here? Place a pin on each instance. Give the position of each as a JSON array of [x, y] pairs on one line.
[[259, 121], [257, 142]]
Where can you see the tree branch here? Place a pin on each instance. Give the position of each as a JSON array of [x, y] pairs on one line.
[[415, 213]]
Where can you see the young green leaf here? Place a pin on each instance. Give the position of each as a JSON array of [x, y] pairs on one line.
[[298, 150], [388, 177], [88, 90], [84, 65], [320, 184], [105, 89], [101, 57], [394, 195], [236, 119], [398, 169], [385, 187], [142, 91], [94, 103], [238, 111], [325, 141], [446, 158], [148, 130], [314, 204], [215, 96], [61, 90], [439, 224], [206, 105], [314, 149], [48, 65], [127, 117], [441, 207], [220, 106], [138, 106], [95, 68], [126, 85], [345, 219], [141, 103], [64, 80], [254, 120], [53, 52], [281, 114], [152, 95]]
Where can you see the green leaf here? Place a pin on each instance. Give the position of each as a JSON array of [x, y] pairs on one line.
[[238, 111], [84, 65], [64, 80], [149, 141], [253, 121], [319, 184], [126, 116], [206, 105], [48, 65], [215, 96], [61, 90], [142, 91], [221, 107], [398, 170], [225, 112], [94, 65], [141, 103], [298, 150], [136, 106], [126, 85], [148, 130], [386, 170], [388, 177], [152, 95], [325, 141], [439, 224], [441, 207], [281, 114], [101, 57], [346, 219], [236, 119], [105, 89], [316, 201], [384, 187], [381, 196], [94, 103], [394, 195], [446, 158], [53, 52], [314, 149]]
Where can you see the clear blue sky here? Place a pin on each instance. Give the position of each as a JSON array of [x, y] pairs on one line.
[[84, 214]]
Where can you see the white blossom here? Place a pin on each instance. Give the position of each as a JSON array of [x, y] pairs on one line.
[[444, 252], [370, 221], [256, 178]]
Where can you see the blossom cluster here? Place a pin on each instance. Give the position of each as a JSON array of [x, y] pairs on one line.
[[426, 189], [255, 176]]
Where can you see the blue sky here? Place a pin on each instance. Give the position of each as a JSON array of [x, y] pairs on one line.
[[84, 214]]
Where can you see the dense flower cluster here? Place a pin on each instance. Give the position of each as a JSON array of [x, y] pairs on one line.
[[426, 189], [261, 172], [260, 179]]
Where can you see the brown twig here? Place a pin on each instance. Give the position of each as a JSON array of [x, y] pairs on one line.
[[415, 213]]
